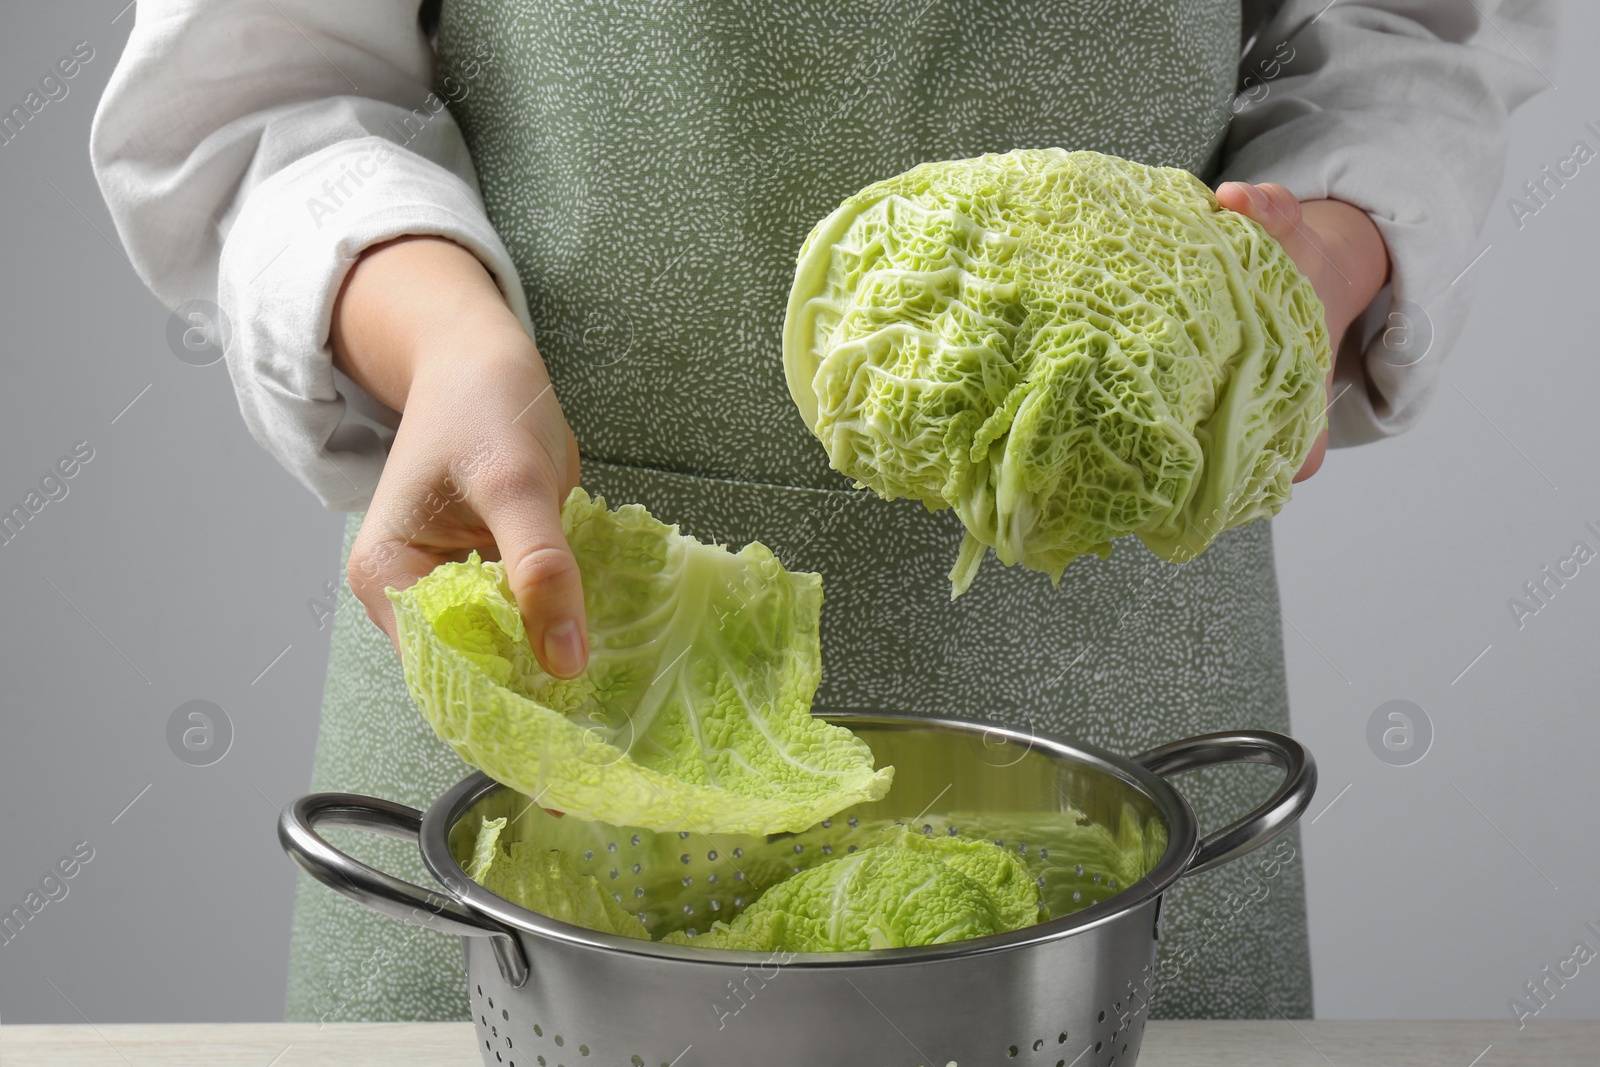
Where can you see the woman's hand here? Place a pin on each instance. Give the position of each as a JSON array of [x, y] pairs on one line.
[[1334, 244], [483, 458]]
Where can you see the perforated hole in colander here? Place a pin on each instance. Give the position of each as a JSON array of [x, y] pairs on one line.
[[557, 1044], [1123, 1017]]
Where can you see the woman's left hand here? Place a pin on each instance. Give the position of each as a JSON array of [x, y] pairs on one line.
[[1335, 245]]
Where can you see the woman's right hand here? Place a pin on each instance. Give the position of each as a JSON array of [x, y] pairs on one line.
[[483, 458]]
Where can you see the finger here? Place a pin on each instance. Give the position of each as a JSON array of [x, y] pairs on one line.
[[572, 479], [379, 561], [1238, 196], [1282, 211], [1314, 459], [1319, 447], [518, 500], [1270, 204]]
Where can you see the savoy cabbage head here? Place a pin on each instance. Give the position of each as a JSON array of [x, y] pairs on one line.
[[907, 889], [694, 712], [1064, 347]]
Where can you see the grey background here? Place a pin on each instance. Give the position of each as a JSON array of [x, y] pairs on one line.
[[180, 564]]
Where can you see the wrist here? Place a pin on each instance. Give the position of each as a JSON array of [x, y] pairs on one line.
[[486, 361], [461, 333], [1355, 263], [413, 302]]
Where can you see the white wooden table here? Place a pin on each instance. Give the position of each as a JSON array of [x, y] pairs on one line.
[[1167, 1044]]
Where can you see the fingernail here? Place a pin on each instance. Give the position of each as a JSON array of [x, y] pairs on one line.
[[1258, 198], [563, 649]]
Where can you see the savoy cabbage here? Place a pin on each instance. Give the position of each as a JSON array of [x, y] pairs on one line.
[[907, 889], [1064, 347]]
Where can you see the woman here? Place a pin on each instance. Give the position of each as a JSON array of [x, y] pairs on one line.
[[627, 186]]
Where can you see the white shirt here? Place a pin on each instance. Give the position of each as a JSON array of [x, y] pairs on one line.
[[249, 150]]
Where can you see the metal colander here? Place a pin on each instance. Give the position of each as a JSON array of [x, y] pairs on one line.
[[1103, 835]]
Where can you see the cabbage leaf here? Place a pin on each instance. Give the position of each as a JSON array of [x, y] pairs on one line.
[[541, 880], [694, 711]]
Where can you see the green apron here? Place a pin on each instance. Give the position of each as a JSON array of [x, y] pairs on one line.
[[653, 167]]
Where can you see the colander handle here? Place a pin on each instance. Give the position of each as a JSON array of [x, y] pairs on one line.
[[1269, 821], [394, 897]]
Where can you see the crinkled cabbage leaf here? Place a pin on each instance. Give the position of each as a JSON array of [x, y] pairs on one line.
[[912, 889], [1074, 860], [1065, 348], [541, 880], [694, 711]]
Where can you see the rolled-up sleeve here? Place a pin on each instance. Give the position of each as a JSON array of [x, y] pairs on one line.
[[249, 151], [1399, 108]]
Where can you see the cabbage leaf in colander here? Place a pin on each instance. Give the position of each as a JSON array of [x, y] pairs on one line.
[[911, 889], [1063, 347], [541, 880], [694, 711]]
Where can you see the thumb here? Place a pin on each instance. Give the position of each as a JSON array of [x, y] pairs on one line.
[[525, 521], [1273, 206]]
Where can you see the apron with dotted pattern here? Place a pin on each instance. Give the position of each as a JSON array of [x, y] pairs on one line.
[[653, 167]]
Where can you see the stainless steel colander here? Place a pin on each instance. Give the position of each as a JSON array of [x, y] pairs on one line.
[[1104, 835]]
